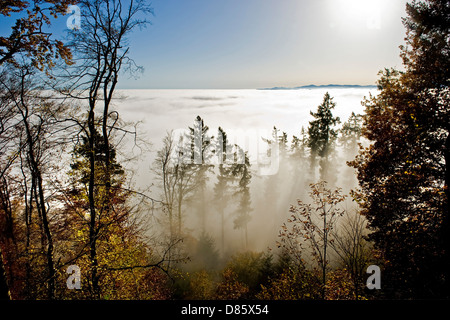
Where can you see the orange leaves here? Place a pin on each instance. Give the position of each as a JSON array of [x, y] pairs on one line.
[[28, 37], [230, 288], [6, 7], [312, 224], [291, 284]]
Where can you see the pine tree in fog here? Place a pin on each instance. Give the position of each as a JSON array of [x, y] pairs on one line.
[[176, 179], [350, 137], [200, 144], [272, 182], [222, 188], [322, 136], [298, 157], [244, 176]]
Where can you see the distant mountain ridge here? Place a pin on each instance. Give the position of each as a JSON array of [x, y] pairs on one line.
[[331, 86]]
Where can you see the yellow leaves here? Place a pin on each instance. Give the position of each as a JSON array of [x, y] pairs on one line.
[[28, 39], [230, 288], [341, 287], [289, 285]]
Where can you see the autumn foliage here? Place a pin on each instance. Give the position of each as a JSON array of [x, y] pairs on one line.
[[68, 196]]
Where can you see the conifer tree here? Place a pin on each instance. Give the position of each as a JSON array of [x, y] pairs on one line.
[[322, 135], [244, 176], [222, 188], [201, 154], [350, 137]]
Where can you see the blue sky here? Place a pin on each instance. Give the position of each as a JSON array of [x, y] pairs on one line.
[[264, 43]]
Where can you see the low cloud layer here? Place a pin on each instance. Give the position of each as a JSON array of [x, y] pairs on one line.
[[236, 111]]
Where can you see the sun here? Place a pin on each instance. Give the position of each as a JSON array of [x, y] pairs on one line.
[[357, 7], [358, 13]]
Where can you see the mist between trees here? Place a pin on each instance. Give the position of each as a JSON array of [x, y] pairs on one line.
[[216, 230], [227, 211], [199, 230]]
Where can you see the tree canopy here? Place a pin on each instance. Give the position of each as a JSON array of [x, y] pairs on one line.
[[29, 35], [404, 174]]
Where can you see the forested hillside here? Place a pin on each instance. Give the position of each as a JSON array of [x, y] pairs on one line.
[[337, 200]]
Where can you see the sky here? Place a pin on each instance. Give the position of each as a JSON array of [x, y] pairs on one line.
[[243, 44], [265, 43]]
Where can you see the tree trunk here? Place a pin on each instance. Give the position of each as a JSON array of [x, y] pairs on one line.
[[50, 264], [180, 219], [40, 202], [222, 217], [246, 236], [4, 290], [107, 96], [28, 215], [446, 219], [92, 225], [325, 239]]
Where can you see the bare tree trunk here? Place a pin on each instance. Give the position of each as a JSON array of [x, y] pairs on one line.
[[180, 220], [324, 262], [36, 175], [27, 215], [222, 218], [446, 219], [8, 233], [246, 236], [45, 221], [93, 218], [102, 51], [40, 201], [108, 91], [4, 289]]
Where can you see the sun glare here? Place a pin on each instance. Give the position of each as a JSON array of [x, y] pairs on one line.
[[357, 13]]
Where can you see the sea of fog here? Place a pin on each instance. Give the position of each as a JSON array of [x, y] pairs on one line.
[[288, 110], [244, 112], [253, 113]]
